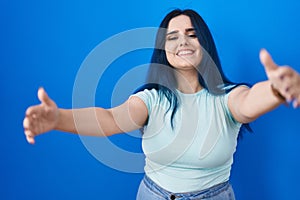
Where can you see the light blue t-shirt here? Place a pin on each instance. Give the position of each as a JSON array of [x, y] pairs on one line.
[[198, 152]]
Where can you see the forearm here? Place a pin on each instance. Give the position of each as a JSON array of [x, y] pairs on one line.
[[259, 100], [86, 121]]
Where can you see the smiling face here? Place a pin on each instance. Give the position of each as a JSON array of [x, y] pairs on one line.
[[183, 49]]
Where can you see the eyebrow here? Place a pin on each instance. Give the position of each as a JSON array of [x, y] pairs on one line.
[[172, 32], [186, 30], [190, 29]]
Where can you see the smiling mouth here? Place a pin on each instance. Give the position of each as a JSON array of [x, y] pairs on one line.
[[186, 52]]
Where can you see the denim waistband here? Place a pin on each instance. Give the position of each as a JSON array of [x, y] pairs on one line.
[[206, 193]]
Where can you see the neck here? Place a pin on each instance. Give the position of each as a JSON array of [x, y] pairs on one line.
[[188, 81]]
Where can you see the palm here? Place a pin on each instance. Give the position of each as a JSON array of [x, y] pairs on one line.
[[284, 78], [44, 117], [40, 118]]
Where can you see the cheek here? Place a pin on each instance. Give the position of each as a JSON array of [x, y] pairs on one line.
[[170, 52], [170, 47], [170, 57]]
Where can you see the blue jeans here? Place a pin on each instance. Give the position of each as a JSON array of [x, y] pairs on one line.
[[149, 190]]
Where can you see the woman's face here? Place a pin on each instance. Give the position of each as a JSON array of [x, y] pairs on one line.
[[182, 47]]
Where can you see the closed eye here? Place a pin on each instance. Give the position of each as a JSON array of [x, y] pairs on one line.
[[172, 38], [192, 36]]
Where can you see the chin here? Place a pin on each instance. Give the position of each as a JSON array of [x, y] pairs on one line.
[[186, 65]]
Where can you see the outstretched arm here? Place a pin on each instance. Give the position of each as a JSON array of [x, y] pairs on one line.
[[92, 121], [283, 86]]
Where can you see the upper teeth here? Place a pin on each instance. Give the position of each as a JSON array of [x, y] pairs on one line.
[[185, 52]]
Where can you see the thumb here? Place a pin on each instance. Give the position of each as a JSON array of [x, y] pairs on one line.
[[43, 96], [267, 61]]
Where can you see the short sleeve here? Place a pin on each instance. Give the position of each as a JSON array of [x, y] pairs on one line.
[[149, 97], [228, 114], [225, 105]]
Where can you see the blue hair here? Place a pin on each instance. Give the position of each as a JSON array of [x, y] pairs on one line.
[[161, 74]]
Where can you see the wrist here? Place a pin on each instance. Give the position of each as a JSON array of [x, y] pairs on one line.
[[57, 125], [277, 94]]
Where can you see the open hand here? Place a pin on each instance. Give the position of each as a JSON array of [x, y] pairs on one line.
[[40, 118], [284, 78]]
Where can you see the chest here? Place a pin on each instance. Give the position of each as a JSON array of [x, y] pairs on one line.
[[201, 136]]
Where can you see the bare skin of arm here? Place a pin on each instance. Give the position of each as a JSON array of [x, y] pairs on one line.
[[93, 121], [247, 104]]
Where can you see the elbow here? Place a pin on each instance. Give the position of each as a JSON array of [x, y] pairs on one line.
[[245, 119], [247, 116]]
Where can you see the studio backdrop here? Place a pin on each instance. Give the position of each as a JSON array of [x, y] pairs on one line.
[[96, 53]]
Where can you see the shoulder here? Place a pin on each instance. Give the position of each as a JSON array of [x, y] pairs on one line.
[[238, 91], [147, 95], [236, 95]]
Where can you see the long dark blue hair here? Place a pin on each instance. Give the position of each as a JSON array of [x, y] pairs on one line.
[[161, 73]]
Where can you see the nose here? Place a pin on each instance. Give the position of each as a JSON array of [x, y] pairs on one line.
[[183, 41]]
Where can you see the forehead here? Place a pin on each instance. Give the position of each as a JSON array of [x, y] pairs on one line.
[[180, 23]]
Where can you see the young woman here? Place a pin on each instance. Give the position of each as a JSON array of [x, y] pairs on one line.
[[190, 112]]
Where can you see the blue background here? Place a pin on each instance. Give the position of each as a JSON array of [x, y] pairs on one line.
[[43, 43]]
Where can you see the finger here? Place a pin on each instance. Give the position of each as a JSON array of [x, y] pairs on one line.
[[288, 84], [30, 139], [29, 111], [296, 103], [284, 71], [33, 112], [26, 123], [29, 136], [43, 96], [267, 61]]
